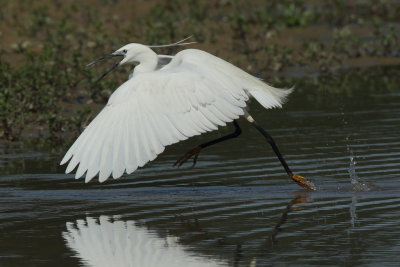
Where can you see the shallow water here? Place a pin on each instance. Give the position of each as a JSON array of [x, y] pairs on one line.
[[235, 208]]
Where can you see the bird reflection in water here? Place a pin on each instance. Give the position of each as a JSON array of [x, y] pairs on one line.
[[109, 241], [294, 204]]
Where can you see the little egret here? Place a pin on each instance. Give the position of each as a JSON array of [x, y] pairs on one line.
[[159, 105]]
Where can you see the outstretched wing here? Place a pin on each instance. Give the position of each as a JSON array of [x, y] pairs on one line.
[[195, 93]]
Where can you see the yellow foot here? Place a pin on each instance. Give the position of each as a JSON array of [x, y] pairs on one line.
[[303, 182]]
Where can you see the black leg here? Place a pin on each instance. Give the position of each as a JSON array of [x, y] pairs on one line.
[[300, 180], [195, 151], [274, 147]]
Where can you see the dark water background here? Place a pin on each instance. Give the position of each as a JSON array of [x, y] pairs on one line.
[[235, 208]]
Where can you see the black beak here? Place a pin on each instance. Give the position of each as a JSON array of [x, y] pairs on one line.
[[115, 54]]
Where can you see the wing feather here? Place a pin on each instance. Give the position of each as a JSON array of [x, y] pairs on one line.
[[212, 117], [106, 155], [118, 166], [206, 122], [146, 141], [155, 143], [140, 150], [95, 151], [182, 124], [156, 122], [132, 163]]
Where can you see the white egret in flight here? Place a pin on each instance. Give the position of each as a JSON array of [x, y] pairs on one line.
[[161, 105]]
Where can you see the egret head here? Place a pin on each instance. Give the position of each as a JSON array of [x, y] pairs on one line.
[[131, 53], [137, 53]]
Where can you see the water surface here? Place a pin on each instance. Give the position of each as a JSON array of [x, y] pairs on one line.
[[235, 208]]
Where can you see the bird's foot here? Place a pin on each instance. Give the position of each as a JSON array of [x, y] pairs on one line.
[[193, 152], [303, 182]]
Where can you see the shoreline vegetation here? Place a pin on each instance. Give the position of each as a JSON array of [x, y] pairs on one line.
[[324, 47]]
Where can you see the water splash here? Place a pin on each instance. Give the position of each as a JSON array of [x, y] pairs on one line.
[[356, 183]]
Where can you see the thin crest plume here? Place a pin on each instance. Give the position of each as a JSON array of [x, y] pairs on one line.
[[179, 43]]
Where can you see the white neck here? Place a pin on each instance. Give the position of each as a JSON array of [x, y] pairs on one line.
[[147, 61]]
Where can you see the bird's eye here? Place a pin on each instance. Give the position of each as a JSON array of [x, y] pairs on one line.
[[125, 51]]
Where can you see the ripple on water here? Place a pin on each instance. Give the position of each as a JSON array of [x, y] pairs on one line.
[[236, 206]]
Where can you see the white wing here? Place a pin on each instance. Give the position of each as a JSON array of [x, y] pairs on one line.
[[193, 94]]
